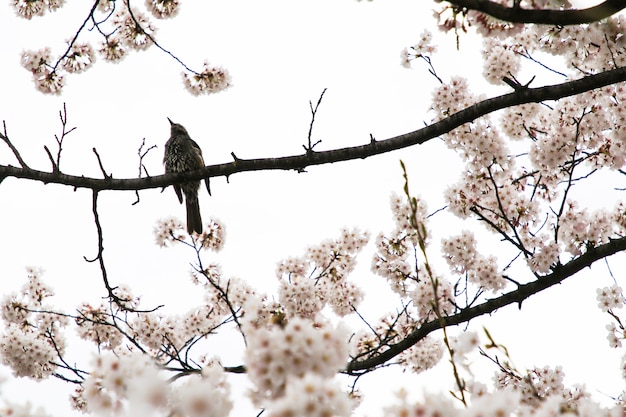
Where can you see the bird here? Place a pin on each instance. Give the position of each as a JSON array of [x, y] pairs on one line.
[[183, 154]]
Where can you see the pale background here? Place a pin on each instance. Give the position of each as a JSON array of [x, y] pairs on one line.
[[281, 54]]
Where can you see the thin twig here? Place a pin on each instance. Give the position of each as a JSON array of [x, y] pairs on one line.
[[107, 176], [5, 137], [296, 162], [142, 154], [73, 40], [431, 68], [154, 42], [310, 146], [100, 256], [56, 165]]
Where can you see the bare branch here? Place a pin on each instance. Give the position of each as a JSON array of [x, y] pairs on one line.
[[5, 137], [222, 292], [99, 257], [299, 162], [123, 304], [100, 164], [154, 41], [524, 291], [64, 133], [517, 14], [56, 164], [310, 146], [55, 169], [73, 40], [142, 168]]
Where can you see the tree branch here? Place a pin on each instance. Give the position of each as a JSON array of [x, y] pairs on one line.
[[299, 162], [549, 17], [5, 137], [517, 296], [71, 43]]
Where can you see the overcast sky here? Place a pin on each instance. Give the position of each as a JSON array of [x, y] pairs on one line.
[[280, 54]]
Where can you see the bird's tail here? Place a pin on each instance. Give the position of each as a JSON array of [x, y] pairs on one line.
[[194, 221]]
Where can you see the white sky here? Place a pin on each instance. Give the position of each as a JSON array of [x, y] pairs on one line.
[[281, 54]]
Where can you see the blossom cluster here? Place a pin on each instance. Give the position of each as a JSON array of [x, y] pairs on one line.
[[520, 190], [95, 324], [581, 230], [130, 384], [423, 48], [222, 295], [512, 200], [523, 193], [169, 334], [394, 261], [213, 236], [39, 63], [540, 384], [499, 61], [31, 8], [133, 29], [498, 403], [116, 380], [122, 29], [277, 355], [79, 58], [166, 335], [290, 359], [163, 9], [313, 396], [163, 336], [545, 256], [541, 392], [319, 278], [463, 258], [391, 329], [207, 395], [423, 355], [22, 410], [394, 249], [170, 230], [610, 298], [212, 79], [587, 126], [32, 339], [126, 378], [451, 97]]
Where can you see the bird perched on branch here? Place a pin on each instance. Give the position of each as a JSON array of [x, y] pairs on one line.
[[183, 154]]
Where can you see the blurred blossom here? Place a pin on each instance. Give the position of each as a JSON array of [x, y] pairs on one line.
[[163, 9], [211, 79], [112, 49], [79, 59], [133, 28]]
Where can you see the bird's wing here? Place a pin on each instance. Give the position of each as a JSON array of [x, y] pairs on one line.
[[208, 185], [179, 193], [195, 145], [201, 162]]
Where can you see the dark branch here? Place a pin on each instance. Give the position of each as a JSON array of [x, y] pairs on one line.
[[549, 17], [514, 297], [299, 162], [154, 41], [99, 257], [310, 147], [71, 43], [5, 137]]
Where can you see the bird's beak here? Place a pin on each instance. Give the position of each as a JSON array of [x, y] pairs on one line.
[[171, 123]]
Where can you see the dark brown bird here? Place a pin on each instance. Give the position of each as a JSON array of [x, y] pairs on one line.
[[183, 154]]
